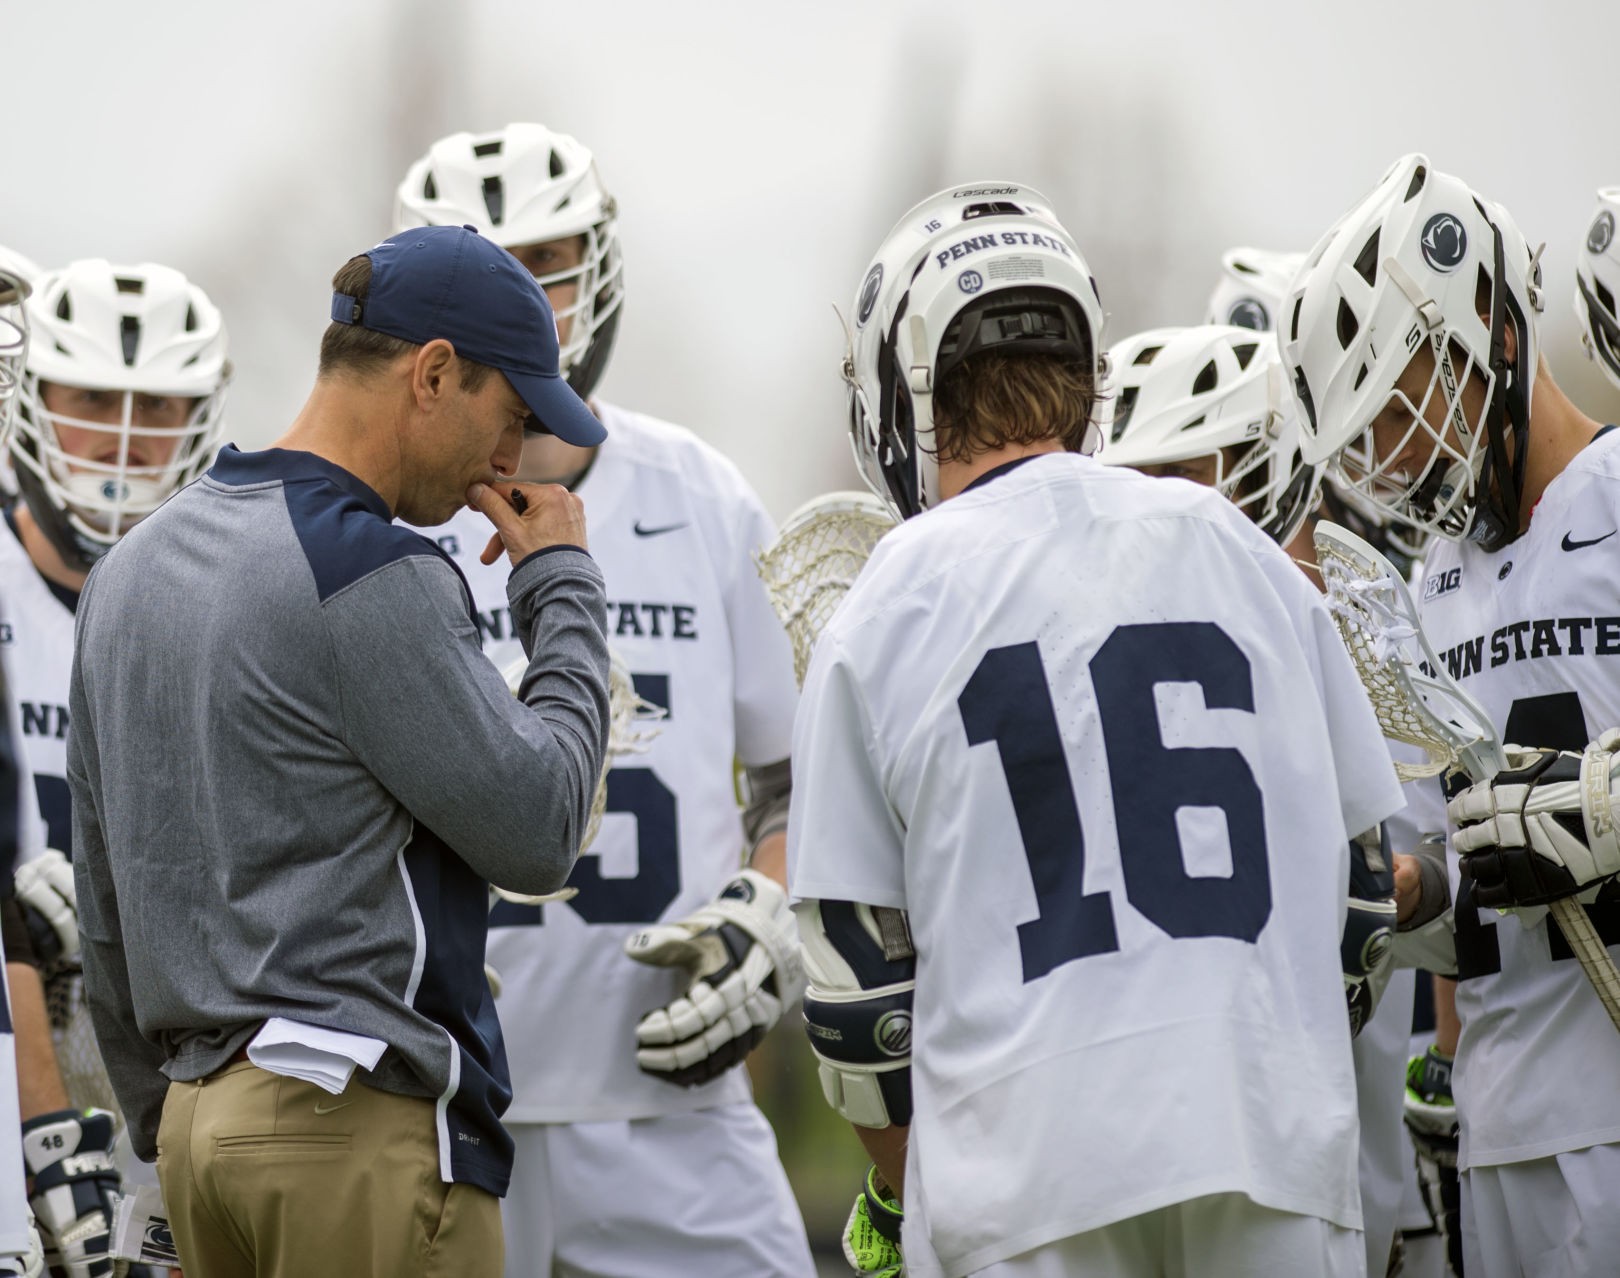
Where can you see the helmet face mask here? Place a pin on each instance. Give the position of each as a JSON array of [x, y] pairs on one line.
[[1395, 337], [980, 267], [121, 403], [526, 187]]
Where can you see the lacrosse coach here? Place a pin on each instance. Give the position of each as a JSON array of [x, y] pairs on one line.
[[295, 774]]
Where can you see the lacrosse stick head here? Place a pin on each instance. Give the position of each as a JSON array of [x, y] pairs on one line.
[[815, 559], [1415, 700]]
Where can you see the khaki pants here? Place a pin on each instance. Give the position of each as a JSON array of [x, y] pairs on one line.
[[270, 1177]]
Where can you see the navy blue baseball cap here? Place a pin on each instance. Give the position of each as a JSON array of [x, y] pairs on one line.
[[451, 282]]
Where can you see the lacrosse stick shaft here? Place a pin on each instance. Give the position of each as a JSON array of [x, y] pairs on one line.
[[1595, 960]]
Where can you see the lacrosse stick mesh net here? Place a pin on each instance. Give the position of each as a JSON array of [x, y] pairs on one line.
[[810, 567], [74, 1038]]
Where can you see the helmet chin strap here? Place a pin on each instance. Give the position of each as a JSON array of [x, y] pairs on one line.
[[1497, 500]]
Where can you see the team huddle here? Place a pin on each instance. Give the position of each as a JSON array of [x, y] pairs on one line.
[[1081, 847]]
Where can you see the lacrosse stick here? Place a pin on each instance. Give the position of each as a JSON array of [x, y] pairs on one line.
[[1418, 703], [815, 559], [632, 725]]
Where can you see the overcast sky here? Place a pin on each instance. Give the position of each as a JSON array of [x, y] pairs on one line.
[[760, 151]]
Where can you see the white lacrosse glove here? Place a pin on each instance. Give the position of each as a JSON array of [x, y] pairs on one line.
[[69, 1156], [45, 888], [29, 1265], [741, 955], [1543, 828]]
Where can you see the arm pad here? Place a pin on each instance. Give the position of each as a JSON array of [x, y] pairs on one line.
[[857, 1011]]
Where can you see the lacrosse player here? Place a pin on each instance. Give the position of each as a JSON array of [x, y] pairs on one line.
[[630, 1007], [120, 405], [1597, 286], [21, 1255], [1207, 404], [1410, 339], [1077, 764]]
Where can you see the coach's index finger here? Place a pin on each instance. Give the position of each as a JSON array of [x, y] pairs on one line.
[[529, 517]]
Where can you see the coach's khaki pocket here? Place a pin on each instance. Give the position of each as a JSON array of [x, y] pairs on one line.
[[298, 1145], [467, 1242]]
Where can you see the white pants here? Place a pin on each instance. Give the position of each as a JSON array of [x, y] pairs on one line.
[[1556, 1217], [1380, 1055], [701, 1194], [1221, 1236]]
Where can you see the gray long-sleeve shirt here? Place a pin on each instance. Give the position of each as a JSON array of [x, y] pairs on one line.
[[293, 772]]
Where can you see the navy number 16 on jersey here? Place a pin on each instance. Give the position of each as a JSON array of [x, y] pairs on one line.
[[1009, 702]]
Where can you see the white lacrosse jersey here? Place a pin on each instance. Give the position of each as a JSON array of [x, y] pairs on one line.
[[674, 527], [36, 645], [1099, 736], [1533, 633]]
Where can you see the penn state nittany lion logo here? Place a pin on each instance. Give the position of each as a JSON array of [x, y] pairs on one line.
[[869, 294], [1601, 235], [970, 281], [1444, 243], [1249, 312]]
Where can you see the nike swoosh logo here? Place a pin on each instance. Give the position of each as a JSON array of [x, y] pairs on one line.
[[327, 1109], [1577, 545], [653, 532]]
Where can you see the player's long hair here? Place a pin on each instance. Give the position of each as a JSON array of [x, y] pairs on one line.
[[996, 399]]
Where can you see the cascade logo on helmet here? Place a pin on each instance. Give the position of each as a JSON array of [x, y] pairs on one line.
[[1444, 243], [1601, 235], [1249, 312], [869, 294], [972, 192], [970, 281]]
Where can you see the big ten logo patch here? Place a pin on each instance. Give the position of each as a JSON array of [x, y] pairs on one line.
[[1442, 583]]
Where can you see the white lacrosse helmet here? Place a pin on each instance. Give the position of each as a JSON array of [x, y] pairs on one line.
[[17, 275], [1415, 264], [1213, 391], [1597, 286], [525, 184], [1251, 288], [131, 330], [981, 266]]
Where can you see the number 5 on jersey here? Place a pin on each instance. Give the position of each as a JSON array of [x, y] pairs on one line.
[[1008, 702]]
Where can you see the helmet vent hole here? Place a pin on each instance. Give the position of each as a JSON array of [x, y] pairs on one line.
[[1208, 377], [556, 165], [1146, 355], [1302, 391], [191, 318], [1419, 176], [430, 188], [563, 203], [1367, 261], [1361, 376], [1123, 409], [1346, 324], [1293, 327], [64, 309], [494, 199], [1604, 295], [1195, 423], [1245, 352], [1483, 289], [129, 334], [1243, 268], [484, 149], [126, 285]]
